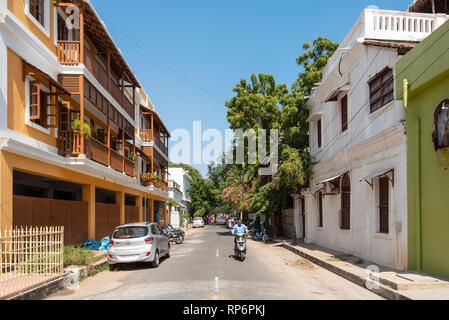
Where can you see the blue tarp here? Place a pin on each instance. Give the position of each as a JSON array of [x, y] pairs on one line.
[[93, 244]]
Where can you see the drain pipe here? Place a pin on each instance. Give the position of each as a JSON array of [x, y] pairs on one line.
[[417, 123]]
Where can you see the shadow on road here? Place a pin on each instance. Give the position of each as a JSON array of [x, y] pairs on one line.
[[134, 266], [226, 234]]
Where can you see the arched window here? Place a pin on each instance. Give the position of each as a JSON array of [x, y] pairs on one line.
[[441, 120], [345, 218]]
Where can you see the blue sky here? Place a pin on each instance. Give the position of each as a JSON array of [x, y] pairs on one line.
[[189, 55]]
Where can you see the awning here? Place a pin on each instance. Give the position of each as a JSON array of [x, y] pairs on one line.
[[317, 188], [333, 95], [331, 179], [378, 174], [315, 116], [29, 69]]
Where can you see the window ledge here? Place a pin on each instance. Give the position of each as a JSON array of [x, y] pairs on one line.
[[38, 127], [320, 229], [384, 236], [380, 111]]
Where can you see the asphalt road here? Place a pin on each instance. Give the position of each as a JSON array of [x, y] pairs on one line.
[[203, 267]]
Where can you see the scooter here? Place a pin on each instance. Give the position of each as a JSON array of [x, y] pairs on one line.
[[240, 246], [262, 236]]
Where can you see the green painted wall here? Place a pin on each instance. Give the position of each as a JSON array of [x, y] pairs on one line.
[[426, 68]]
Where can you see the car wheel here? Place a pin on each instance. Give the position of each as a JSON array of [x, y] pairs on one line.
[[155, 262]]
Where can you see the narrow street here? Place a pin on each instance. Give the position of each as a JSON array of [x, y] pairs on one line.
[[203, 268]]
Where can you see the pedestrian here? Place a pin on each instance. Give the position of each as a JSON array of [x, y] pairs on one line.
[[215, 219], [210, 219]]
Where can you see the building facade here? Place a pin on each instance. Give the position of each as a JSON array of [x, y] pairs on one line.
[[426, 98], [81, 145], [182, 178], [176, 212], [357, 201]]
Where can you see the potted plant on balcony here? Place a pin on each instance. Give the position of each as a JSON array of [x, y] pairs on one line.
[[145, 179], [87, 132]]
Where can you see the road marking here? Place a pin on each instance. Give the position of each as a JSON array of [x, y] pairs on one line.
[[217, 253], [217, 288]]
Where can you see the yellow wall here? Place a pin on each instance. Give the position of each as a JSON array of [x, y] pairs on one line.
[[11, 162], [16, 102], [17, 7]]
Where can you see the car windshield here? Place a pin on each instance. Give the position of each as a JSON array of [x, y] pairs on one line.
[[130, 232]]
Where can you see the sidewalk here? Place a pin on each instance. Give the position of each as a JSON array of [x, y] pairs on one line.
[[390, 283]]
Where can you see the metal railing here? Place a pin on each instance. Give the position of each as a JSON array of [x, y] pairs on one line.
[[29, 257]]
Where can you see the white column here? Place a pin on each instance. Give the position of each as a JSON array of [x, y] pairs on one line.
[[297, 217], [309, 213], [3, 73]]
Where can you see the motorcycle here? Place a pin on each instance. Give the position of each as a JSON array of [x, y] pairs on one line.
[[240, 246], [176, 235], [262, 236]]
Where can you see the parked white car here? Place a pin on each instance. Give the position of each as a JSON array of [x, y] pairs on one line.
[[198, 222]]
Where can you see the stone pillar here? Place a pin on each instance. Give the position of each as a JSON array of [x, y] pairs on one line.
[[139, 205], [6, 192], [297, 216], [89, 197], [309, 212], [120, 200]]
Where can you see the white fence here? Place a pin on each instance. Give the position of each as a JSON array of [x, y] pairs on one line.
[[29, 257]]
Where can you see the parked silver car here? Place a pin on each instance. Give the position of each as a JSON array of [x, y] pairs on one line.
[[198, 222], [137, 242]]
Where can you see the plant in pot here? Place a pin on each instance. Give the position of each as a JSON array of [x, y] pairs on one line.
[[87, 132]]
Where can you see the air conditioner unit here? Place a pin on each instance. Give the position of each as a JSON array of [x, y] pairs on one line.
[[330, 189]]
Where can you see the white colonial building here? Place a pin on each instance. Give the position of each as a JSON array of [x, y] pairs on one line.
[[179, 186], [357, 200]]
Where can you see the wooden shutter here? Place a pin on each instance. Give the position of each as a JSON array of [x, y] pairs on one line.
[[51, 118], [64, 116], [37, 10], [345, 221], [320, 209], [319, 133], [384, 189], [35, 100], [344, 113]]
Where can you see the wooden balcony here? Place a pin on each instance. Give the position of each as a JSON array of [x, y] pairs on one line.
[[129, 167], [69, 52], [146, 135], [69, 144], [116, 161], [97, 151], [163, 185]]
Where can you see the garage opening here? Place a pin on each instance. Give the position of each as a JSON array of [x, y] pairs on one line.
[[131, 210], [107, 213], [41, 201]]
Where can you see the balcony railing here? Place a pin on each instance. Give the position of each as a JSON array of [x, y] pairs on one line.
[[161, 185], [69, 144], [129, 167], [146, 135], [388, 25], [69, 52], [101, 74], [116, 161]]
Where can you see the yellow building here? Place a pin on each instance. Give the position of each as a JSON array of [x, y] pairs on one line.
[[81, 145]]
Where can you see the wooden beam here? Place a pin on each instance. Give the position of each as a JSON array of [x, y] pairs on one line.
[[81, 85], [81, 37], [123, 150]]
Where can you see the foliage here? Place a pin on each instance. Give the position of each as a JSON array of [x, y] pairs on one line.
[[200, 213], [79, 256], [172, 202], [87, 132]]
